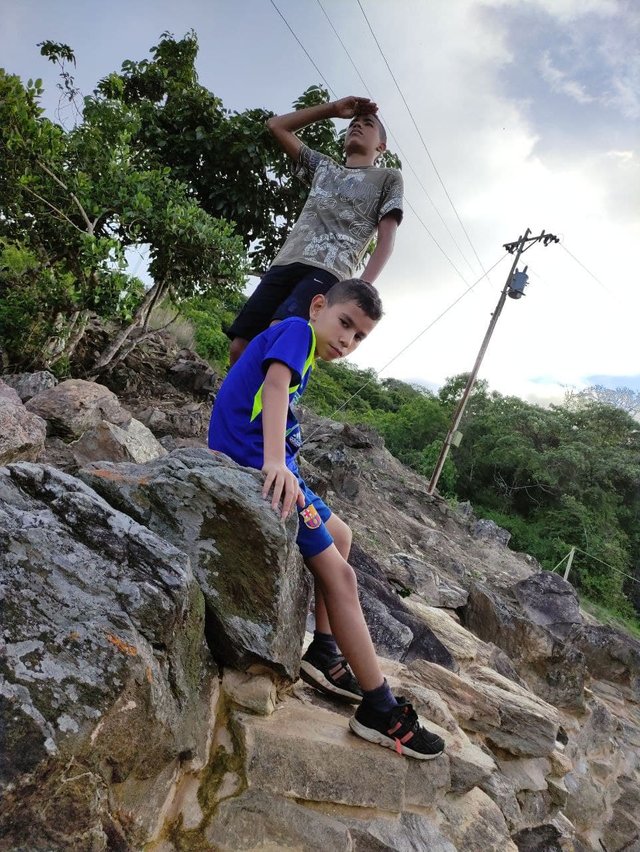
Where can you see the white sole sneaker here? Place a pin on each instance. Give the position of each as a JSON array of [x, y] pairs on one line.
[[314, 677], [379, 738]]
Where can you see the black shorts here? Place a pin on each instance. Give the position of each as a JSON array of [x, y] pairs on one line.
[[283, 291]]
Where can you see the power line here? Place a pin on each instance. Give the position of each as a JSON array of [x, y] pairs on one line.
[[617, 570], [424, 144], [405, 159], [308, 55], [439, 317], [588, 271], [454, 267]]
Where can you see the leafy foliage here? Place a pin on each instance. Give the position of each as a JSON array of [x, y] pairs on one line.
[[233, 165], [555, 478], [211, 315], [72, 203]]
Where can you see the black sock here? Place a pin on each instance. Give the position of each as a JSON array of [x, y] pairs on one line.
[[324, 643], [380, 699]]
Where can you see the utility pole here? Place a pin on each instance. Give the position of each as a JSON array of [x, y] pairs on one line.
[[519, 247]]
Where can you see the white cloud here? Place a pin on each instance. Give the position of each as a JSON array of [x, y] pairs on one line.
[[565, 10], [561, 82], [626, 97]]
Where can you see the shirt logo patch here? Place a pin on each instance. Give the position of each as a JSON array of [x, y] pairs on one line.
[[311, 518]]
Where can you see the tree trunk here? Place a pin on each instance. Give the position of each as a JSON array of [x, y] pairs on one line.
[[75, 334], [66, 340], [151, 297]]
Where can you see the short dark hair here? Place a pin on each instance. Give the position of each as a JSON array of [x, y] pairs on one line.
[[383, 132], [356, 290]]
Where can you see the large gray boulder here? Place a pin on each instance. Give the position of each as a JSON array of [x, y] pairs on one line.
[[245, 559], [484, 702], [610, 655], [9, 394], [75, 405], [258, 820], [489, 531], [553, 668], [414, 575], [28, 385], [104, 676], [106, 441], [549, 601], [22, 434]]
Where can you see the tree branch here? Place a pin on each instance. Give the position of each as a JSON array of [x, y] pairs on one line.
[[53, 207], [72, 194], [117, 343]]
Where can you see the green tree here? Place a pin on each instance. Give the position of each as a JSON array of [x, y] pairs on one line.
[[71, 203], [558, 478]]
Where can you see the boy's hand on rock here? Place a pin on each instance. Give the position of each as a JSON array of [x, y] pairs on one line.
[[351, 106], [285, 488]]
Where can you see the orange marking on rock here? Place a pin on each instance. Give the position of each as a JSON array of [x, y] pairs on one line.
[[115, 476], [121, 645]]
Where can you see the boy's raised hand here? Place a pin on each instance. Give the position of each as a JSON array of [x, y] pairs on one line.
[[351, 106], [285, 488]]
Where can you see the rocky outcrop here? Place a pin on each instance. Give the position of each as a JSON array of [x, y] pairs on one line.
[[554, 668], [28, 385], [104, 679], [395, 630], [75, 405], [166, 388], [121, 587], [22, 434], [255, 586], [133, 442]]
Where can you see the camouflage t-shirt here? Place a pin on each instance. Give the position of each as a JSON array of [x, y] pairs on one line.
[[341, 214]]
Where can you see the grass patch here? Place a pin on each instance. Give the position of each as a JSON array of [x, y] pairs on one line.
[[609, 616]]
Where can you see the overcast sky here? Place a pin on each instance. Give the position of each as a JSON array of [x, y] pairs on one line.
[[529, 110]]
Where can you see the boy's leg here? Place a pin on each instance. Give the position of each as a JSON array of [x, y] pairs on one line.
[[341, 534], [275, 286], [339, 588], [297, 304], [323, 664], [380, 718]]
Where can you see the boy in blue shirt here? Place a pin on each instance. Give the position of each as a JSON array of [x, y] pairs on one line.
[[253, 423]]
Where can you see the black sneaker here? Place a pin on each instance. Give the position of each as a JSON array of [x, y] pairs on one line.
[[331, 674], [399, 730]]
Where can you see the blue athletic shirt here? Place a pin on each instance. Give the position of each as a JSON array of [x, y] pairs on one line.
[[235, 427]]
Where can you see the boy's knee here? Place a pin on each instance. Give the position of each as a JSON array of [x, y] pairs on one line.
[[347, 576]]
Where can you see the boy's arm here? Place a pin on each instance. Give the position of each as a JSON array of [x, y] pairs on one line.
[[284, 127], [387, 227], [275, 404]]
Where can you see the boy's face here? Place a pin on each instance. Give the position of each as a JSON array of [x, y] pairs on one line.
[[339, 328], [363, 136]]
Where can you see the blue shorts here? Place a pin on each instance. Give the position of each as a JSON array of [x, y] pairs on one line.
[[313, 536]]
